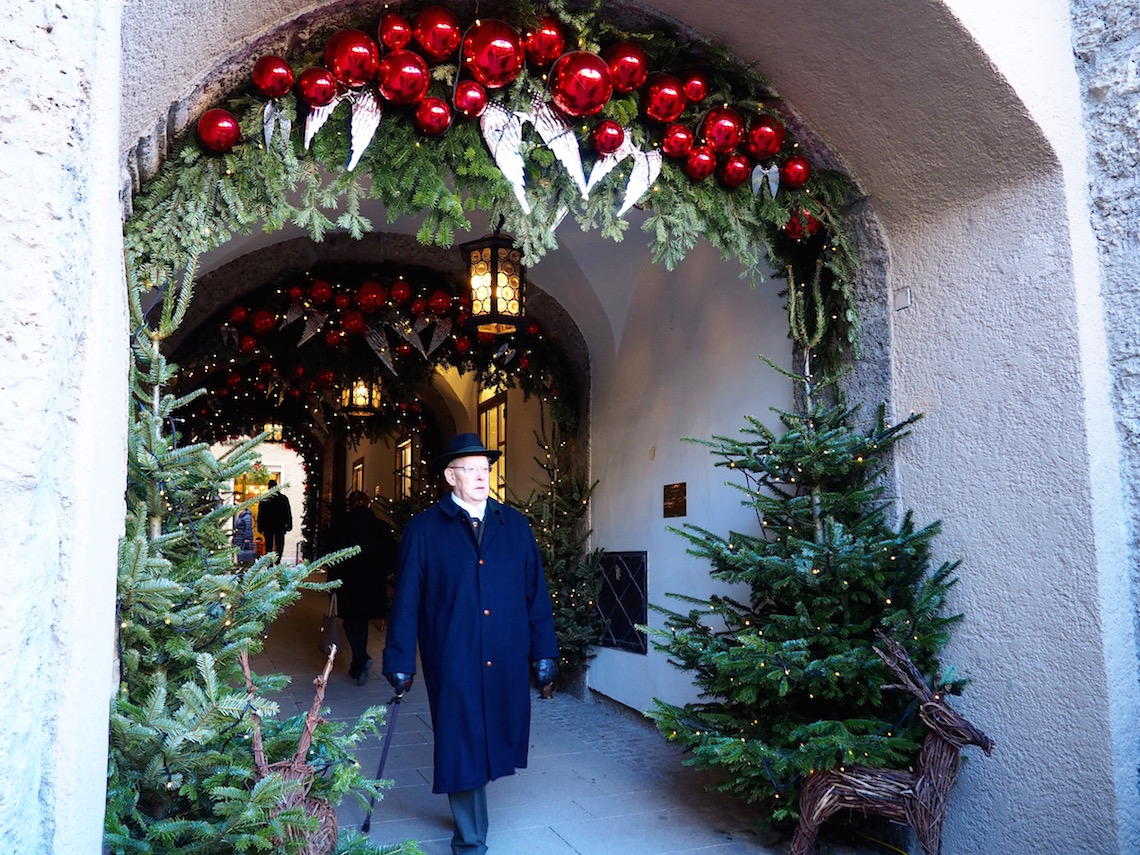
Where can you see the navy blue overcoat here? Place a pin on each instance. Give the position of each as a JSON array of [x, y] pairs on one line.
[[481, 614]]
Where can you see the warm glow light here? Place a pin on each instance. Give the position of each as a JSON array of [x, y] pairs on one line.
[[361, 397], [497, 280]]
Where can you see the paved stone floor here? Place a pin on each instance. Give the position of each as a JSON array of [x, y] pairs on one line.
[[601, 780]]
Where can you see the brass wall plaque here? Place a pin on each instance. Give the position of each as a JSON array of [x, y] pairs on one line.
[[675, 500]]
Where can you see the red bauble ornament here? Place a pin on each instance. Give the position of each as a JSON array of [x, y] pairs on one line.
[[403, 77], [403, 348], [801, 225], [320, 291], [433, 116], [664, 98], [233, 379], [437, 31], [262, 321], [247, 343], [493, 53], [795, 172], [394, 31], [607, 136], [419, 306], [678, 140], [218, 130], [439, 302], [239, 314], [298, 370], [352, 57], [533, 329], [400, 291], [342, 301], [580, 83], [258, 386], [370, 296], [294, 392], [353, 322], [546, 43], [317, 87], [470, 98], [326, 377], [723, 129], [272, 76], [629, 66], [332, 338], [462, 344], [765, 137], [265, 368], [696, 87], [524, 362], [700, 163], [296, 293], [735, 170]]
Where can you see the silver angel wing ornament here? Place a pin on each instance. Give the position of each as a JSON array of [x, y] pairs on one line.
[[559, 137], [605, 164], [366, 114], [502, 131], [316, 119], [646, 168]]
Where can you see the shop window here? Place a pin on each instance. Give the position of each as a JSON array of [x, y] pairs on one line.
[[493, 432]]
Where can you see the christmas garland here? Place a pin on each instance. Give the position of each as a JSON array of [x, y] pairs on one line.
[[436, 117]]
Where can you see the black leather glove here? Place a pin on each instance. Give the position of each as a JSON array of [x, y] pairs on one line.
[[400, 681], [545, 672]]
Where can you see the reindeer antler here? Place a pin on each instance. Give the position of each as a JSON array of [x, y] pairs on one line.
[[898, 660]]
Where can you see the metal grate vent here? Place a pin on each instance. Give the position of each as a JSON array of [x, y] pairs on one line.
[[623, 600]]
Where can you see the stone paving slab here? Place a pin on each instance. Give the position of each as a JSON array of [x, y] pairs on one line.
[[601, 780]]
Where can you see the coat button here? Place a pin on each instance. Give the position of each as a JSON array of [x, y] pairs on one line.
[[488, 663], [486, 612], [480, 560]]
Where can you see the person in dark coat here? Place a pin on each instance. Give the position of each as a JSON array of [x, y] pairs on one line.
[[274, 518], [363, 594], [243, 537], [471, 590]]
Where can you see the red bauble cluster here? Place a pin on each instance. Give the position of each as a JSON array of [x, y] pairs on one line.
[[218, 130], [801, 225]]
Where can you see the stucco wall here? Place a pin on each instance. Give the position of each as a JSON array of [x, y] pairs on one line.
[[63, 334]]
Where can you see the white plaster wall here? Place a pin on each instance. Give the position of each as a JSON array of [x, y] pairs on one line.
[[688, 366], [63, 336]]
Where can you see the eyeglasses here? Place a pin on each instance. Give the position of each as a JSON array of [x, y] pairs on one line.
[[472, 470]]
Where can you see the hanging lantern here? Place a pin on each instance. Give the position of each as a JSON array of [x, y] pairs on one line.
[[361, 397], [498, 283], [274, 430]]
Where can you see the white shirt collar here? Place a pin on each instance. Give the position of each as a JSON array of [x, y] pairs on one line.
[[476, 511]]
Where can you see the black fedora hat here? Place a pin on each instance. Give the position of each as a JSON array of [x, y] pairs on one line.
[[463, 445]]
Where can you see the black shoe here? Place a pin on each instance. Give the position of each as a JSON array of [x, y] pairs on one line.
[[362, 677]]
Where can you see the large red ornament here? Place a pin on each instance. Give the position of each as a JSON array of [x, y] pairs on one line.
[[352, 57], [352, 322], [493, 53], [262, 321], [400, 291], [233, 379], [801, 225], [607, 136], [696, 87], [238, 314], [700, 163], [218, 130], [629, 66], [332, 338], [470, 98], [403, 348], [272, 76], [439, 302], [735, 170], [433, 116], [265, 368], [326, 377], [419, 306], [462, 344], [317, 87], [678, 140], [795, 172], [342, 301], [723, 129], [580, 83], [765, 137], [370, 296], [546, 43], [296, 293], [247, 343], [298, 370], [437, 31], [403, 77], [394, 31], [663, 98], [320, 291], [533, 328]]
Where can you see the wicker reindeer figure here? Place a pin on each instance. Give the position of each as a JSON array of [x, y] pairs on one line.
[[916, 798]]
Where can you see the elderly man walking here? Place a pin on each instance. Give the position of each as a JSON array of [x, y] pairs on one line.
[[470, 588]]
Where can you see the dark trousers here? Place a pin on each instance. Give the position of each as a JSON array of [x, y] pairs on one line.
[[356, 633], [275, 542], [469, 810]]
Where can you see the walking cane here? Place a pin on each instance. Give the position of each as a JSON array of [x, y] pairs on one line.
[[395, 705]]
